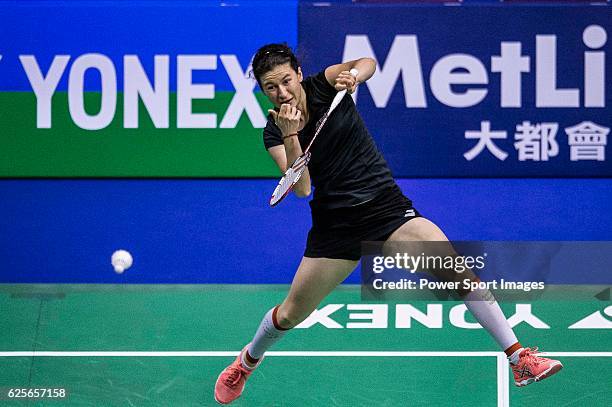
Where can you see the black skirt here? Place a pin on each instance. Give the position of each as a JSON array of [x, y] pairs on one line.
[[338, 233]]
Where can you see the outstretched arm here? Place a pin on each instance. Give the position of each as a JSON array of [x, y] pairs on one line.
[[339, 77]]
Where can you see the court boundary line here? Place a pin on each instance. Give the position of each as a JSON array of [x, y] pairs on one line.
[[39, 353], [502, 364]]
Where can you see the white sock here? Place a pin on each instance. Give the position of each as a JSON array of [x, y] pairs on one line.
[[267, 335], [514, 358], [487, 312]]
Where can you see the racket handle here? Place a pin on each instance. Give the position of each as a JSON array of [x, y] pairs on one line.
[[341, 94]]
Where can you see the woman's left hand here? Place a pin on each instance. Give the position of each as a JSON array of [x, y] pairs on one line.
[[346, 80]]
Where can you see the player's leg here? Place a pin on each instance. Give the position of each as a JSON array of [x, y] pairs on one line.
[[418, 229], [313, 281], [526, 366]]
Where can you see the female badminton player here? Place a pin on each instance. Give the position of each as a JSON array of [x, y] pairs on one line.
[[355, 199]]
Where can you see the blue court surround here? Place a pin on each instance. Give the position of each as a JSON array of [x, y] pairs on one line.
[[222, 231]]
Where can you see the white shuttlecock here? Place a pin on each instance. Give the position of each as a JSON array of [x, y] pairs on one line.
[[121, 261]]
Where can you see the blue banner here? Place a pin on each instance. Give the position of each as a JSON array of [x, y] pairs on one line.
[[488, 91], [58, 40], [223, 231]]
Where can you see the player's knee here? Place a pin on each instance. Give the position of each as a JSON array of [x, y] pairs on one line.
[[288, 317]]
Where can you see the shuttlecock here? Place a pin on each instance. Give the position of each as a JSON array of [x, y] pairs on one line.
[[121, 261]]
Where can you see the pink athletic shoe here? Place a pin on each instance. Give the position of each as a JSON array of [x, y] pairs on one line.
[[230, 382], [531, 368]]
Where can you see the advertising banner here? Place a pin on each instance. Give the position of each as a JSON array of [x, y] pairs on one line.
[[487, 91], [195, 231], [145, 89]]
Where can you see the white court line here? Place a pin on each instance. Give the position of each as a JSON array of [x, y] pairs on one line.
[[234, 353], [503, 380], [579, 354], [284, 353], [503, 376]]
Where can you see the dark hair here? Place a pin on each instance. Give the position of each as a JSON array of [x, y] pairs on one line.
[[270, 56]]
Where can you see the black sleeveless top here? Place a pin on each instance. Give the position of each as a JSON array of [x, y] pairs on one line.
[[346, 168]]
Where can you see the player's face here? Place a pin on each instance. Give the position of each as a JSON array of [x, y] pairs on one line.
[[283, 85]]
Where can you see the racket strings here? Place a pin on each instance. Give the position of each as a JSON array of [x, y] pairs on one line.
[[286, 182]]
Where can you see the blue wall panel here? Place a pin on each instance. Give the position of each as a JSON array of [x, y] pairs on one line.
[[222, 231]]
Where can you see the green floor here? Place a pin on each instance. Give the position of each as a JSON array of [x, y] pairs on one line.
[[223, 318]]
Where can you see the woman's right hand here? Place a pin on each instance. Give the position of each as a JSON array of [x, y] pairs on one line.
[[287, 119]]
